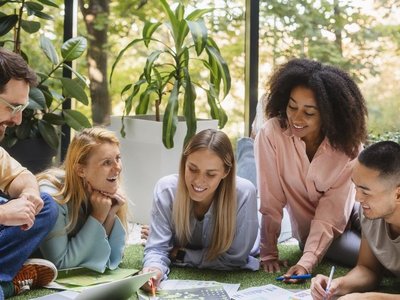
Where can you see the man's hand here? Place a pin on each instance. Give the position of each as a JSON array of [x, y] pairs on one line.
[[18, 212], [34, 197]]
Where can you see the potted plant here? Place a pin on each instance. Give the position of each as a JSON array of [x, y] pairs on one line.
[[42, 119], [179, 49], [167, 75]]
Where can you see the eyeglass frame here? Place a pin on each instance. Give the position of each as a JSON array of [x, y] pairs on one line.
[[15, 108]]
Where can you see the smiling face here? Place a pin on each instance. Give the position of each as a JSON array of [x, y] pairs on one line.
[[204, 170], [103, 168], [378, 197], [303, 115], [16, 92]]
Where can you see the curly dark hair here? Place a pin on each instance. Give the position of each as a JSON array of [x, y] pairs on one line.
[[340, 102]]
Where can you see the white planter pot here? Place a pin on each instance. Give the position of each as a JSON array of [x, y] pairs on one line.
[[146, 160]]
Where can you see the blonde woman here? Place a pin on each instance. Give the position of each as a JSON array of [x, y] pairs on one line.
[[90, 229], [205, 217]]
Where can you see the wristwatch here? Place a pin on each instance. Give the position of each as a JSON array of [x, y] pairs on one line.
[[180, 256]]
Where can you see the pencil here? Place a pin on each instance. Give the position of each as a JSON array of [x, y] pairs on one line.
[[153, 287]]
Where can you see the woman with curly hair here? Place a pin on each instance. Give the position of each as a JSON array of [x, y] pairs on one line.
[[304, 156]]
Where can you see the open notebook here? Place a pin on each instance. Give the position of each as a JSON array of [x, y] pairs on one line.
[[116, 290]]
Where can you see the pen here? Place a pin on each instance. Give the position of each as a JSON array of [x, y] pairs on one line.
[[303, 276], [328, 285]]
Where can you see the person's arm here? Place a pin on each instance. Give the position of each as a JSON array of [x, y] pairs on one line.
[[272, 198], [89, 247], [370, 296], [17, 181], [364, 277], [118, 200], [330, 218], [238, 255], [160, 239]]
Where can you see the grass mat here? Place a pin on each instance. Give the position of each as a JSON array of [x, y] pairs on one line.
[[133, 259]]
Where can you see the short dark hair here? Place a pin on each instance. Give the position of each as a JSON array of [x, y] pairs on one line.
[[340, 102], [383, 157], [13, 66]]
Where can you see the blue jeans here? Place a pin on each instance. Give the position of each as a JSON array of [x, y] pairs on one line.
[[17, 245], [246, 164]]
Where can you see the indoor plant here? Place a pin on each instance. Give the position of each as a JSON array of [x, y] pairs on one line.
[[167, 73], [44, 114], [179, 49]]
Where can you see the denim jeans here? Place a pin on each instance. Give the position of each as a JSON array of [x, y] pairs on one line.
[[246, 164], [246, 168], [17, 245]]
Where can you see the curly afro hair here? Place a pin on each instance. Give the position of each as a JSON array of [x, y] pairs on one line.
[[341, 105]]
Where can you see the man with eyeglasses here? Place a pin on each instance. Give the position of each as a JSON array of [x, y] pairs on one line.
[[26, 216]]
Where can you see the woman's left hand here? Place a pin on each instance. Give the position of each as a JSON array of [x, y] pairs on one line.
[[118, 200]]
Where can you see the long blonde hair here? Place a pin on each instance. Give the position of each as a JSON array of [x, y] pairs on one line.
[[72, 190], [224, 202]]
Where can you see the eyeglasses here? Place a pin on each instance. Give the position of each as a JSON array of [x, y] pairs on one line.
[[14, 108]]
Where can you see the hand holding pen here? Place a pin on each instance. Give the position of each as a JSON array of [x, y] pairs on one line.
[[295, 274], [328, 285]]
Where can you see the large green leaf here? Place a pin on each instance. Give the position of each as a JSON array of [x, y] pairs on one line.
[[78, 75], [49, 134], [149, 64], [49, 3], [144, 100], [199, 33], [74, 90], [216, 57], [135, 90], [40, 15], [49, 50], [180, 12], [183, 31], [7, 23], [216, 111], [75, 119], [34, 6], [54, 119], [36, 99], [189, 107], [73, 48], [173, 21], [30, 26], [148, 30], [120, 54], [170, 119], [198, 13]]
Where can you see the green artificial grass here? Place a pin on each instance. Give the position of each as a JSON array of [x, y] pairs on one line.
[[133, 259]]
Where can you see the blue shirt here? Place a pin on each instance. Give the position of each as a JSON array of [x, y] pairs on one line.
[[87, 246]]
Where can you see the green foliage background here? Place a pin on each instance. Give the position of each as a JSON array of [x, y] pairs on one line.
[[368, 48]]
